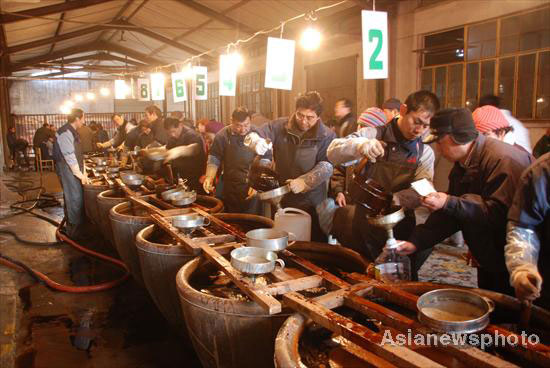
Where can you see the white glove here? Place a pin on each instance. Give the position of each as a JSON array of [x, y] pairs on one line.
[[257, 143], [208, 185], [527, 285], [76, 172], [297, 185], [372, 149]]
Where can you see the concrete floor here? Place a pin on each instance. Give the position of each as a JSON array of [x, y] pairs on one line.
[[120, 327]]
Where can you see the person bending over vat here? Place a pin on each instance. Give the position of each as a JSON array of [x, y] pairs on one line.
[[398, 157], [482, 184]]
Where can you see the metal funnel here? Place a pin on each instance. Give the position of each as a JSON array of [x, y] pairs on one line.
[[387, 222], [274, 196]]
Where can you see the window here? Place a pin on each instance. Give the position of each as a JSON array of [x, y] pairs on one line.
[[526, 86], [506, 82], [525, 32], [252, 94], [543, 87], [482, 41], [444, 47], [210, 108], [508, 57]]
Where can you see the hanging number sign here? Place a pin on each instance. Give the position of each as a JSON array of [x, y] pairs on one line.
[[157, 86], [200, 82], [228, 75], [179, 89], [279, 67], [144, 90], [375, 44]]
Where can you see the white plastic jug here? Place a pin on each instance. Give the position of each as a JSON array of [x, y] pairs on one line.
[[295, 221]]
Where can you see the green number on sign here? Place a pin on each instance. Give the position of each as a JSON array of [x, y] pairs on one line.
[[373, 63], [144, 91], [201, 86], [179, 88]]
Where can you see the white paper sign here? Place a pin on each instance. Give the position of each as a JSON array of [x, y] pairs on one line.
[[279, 67], [157, 87], [228, 75], [375, 44], [121, 89], [179, 89], [200, 82], [144, 90], [423, 187]]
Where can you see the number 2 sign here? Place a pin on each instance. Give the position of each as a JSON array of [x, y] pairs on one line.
[[375, 44]]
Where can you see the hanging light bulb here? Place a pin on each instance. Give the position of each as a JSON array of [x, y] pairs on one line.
[[188, 72], [310, 39], [104, 91], [69, 104], [236, 59], [121, 89], [78, 97], [65, 109], [90, 96]]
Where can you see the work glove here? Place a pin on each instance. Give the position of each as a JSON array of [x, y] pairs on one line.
[[251, 193], [104, 145], [257, 143], [297, 185], [372, 149], [208, 185], [527, 285]]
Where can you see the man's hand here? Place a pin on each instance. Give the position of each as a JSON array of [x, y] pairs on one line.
[[405, 248], [527, 285], [262, 146], [100, 145], [341, 199], [84, 180], [297, 185], [435, 201], [372, 149], [208, 185]]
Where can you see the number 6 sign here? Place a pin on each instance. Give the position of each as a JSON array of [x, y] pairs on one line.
[[375, 44]]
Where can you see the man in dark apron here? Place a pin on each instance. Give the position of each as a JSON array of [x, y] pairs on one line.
[[398, 158], [229, 152], [69, 165], [300, 153]]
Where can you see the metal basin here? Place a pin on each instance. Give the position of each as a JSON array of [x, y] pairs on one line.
[[99, 161], [270, 239], [184, 199], [275, 193], [155, 154], [112, 170], [254, 261], [132, 179], [173, 193], [454, 311], [189, 221]]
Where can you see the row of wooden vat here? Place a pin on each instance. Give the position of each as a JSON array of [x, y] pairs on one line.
[[223, 332]]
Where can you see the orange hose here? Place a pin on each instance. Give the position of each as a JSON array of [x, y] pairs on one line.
[[77, 289]]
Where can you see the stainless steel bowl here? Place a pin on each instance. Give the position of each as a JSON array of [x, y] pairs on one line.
[[254, 261], [270, 239], [189, 221], [132, 179], [168, 195], [275, 193], [112, 170], [100, 168], [454, 310], [156, 154], [184, 199]]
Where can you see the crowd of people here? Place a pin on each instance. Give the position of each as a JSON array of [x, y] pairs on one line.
[[498, 194]]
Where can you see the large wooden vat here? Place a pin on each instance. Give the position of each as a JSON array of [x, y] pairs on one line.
[[233, 333], [105, 201], [160, 261], [90, 203]]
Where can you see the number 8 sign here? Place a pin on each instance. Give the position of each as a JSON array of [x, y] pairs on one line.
[[375, 44]]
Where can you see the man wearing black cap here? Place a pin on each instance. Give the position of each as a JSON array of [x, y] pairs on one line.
[[482, 184]]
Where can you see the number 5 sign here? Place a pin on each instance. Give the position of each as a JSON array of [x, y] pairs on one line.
[[375, 44], [201, 82]]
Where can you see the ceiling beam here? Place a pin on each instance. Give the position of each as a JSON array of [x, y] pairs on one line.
[[100, 56], [48, 10], [216, 16], [166, 40], [92, 46], [58, 30], [119, 15], [61, 37], [4, 55], [198, 27]]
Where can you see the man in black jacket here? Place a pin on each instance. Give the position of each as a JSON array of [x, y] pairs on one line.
[[188, 167], [482, 184]]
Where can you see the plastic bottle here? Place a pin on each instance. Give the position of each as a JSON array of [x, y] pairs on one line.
[[390, 266]]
